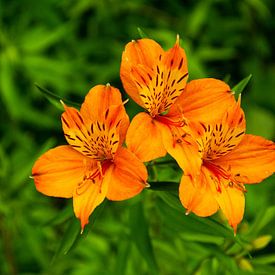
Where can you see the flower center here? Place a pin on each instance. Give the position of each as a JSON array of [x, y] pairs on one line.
[[221, 176], [159, 87], [93, 175], [97, 141]]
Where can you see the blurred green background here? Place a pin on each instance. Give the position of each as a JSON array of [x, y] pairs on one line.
[[70, 46]]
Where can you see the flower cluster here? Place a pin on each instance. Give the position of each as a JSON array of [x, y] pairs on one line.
[[199, 123]]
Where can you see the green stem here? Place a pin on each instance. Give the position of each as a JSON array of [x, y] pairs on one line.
[[164, 185]]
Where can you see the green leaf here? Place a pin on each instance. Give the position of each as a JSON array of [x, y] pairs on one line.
[[266, 259], [142, 34], [39, 38], [72, 234], [122, 256], [140, 235], [238, 89], [191, 222], [62, 216], [263, 218], [164, 186], [55, 99]]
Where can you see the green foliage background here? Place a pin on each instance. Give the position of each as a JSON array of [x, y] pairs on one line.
[[70, 46]]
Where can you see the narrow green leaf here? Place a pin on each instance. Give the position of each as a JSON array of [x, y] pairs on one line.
[[203, 238], [141, 33], [70, 236], [192, 222], [266, 259], [55, 99], [263, 218], [61, 217], [238, 89], [140, 236], [122, 256], [164, 186]]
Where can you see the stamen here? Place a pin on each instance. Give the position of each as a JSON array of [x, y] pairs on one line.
[[170, 122]]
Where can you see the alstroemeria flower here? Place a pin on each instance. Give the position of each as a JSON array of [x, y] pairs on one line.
[[230, 159], [156, 80], [94, 165]]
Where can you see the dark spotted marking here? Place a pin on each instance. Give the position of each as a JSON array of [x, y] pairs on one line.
[[239, 134], [78, 138], [143, 79], [79, 116], [173, 91], [180, 65], [174, 97], [182, 78], [205, 129], [106, 113], [98, 126], [241, 119], [158, 69], [138, 84], [65, 122], [171, 62], [169, 75]]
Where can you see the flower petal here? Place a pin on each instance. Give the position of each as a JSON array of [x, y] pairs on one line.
[[231, 201], [159, 86], [116, 117], [221, 137], [251, 161], [97, 102], [196, 195], [127, 178], [183, 148], [58, 171], [204, 100], [144, 138], [97, 140], [87, 197], [144, 52]]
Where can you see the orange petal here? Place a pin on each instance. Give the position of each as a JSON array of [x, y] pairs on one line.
[[144, 138], [184, 149], [127, 178], [251, 161], [221, 137], [204, 100], [196, 196], [144, 52], [117, 117], [87, 198], [97, 101], [231, 201], [159, 86], [58, 171], [75, 131]]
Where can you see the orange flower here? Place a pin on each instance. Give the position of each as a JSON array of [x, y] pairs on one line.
[[230, 158], [156, 80], [94, 165]]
